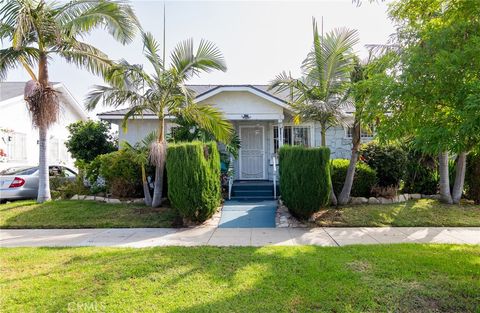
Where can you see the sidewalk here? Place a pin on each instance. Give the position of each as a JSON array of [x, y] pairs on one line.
[[212, 236]]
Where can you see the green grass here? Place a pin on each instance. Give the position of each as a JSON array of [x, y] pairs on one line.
[[424, 212], [82, 214], [383, 278]]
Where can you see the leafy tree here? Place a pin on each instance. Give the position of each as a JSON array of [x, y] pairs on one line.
[[164, 93], [88, 139], [430, 90], [37, 31], [320, 94]]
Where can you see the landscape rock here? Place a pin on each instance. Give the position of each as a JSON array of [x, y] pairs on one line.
[[138, 201], [113, 201], [401, 198], [415, 196], [373, 200], [385, 200], [407, 196], [75, 197], [358, 200], [98, 198]]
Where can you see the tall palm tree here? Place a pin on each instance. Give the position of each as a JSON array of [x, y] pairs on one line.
[[164, 93], [38, 31], [320, 94]]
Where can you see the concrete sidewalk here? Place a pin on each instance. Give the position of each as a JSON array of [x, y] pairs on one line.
[[212, 236]]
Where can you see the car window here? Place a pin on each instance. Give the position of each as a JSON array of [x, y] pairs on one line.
[[55, 171], [69, 173], [24, 170]]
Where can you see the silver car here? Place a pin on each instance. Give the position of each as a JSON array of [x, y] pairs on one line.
[[22, 182]]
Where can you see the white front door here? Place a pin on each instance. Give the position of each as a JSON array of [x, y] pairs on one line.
[[252, 152]]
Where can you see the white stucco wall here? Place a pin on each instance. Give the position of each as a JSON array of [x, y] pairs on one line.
[[14, 116], [236, 103]]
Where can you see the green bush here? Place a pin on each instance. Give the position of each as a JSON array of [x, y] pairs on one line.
[[472, 177], [194, 179], [387, 160], [304, 179], [121, 174], [364, 180], [88, 139], [421, 173]]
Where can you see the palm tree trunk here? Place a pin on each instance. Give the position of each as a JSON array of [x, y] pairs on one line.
[[43, 174], [445, 195], [344, 196], [459, 177], [159, 155], [323, 132], [146, 189], [43, 177]]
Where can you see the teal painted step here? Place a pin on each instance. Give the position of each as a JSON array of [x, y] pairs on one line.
[[246, 193]]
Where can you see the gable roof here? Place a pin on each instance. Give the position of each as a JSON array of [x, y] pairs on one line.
[[206, 91], [10, 90]]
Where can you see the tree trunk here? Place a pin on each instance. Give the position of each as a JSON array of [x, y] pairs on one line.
[[146, 188], [159, 151], [323, 132], [445, 195], [43, 177], [344, 196], [459, 177], [43, 173]]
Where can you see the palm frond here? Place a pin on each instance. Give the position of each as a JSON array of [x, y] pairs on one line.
[[113, 97], [151, 50], [83, 55], [84, 15], [188, 63], [208, 118], [11, 58]]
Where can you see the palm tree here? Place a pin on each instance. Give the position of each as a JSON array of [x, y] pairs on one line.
[[164, 93], [358, 94], [38, 31], [141, 150], [320, 94]]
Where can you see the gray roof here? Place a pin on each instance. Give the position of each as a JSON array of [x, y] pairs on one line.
[[203, 89], [10, 90]]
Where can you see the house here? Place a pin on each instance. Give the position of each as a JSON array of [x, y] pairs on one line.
[[262, 120], [19, 139]]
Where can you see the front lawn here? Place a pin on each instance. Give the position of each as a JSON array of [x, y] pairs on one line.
[[390, 278], [82, 214], [423, 212]]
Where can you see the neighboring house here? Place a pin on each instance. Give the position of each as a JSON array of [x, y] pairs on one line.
[[19, 139], [262, 120]]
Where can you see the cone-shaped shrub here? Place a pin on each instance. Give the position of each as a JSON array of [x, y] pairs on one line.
[[304, 179], [194, 179]]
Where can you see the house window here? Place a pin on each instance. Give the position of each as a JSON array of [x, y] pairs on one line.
[[17, 147], [292, 135], [365, 132]]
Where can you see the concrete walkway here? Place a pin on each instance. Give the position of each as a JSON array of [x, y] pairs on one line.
[[248, 214], [212, 236]]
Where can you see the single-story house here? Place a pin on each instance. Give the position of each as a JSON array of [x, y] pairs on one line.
[[19, 139], [262, 120]]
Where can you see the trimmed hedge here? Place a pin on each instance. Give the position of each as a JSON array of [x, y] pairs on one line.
[[472, 177], [364, 180], [194, 179], [304, 179], [387, 160]]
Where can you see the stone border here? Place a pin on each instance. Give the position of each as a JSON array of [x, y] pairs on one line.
[[397, 199], [106, 200]]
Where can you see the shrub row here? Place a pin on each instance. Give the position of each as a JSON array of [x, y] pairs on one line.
[[364, 180], [194, 179], [304, 179]]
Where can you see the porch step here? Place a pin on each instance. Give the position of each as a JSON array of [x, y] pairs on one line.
[[252, 190]]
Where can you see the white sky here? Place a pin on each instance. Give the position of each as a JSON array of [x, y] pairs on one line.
[[258, 39]]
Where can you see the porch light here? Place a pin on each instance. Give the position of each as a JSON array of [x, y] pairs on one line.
[[246, 116]]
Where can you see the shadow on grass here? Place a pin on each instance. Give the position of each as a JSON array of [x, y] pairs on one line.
[[401, 278]]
